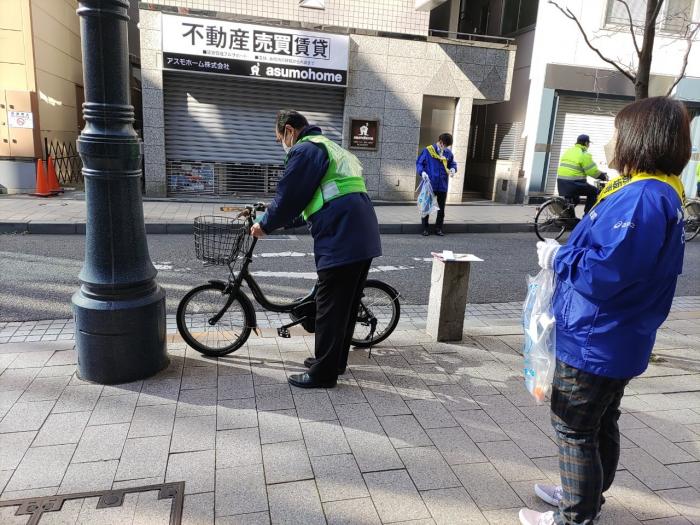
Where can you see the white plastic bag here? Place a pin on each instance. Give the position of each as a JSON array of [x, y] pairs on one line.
[[539, 350], [427, 203]]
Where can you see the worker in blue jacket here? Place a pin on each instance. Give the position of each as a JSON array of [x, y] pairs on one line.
[[323, 183], [616, 278], [437, 164]]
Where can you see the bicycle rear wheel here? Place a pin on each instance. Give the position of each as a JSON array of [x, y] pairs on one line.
[[692, 220], [549, 223], [377, 315], [195, 323]]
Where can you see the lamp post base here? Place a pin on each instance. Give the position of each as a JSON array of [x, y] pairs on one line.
[[119, 340]]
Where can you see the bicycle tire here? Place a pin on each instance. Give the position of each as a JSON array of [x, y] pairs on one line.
[[546, 218], [240, 303], [692, 226], [390, 302]]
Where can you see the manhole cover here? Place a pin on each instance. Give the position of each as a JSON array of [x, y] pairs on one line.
[[148, 505]]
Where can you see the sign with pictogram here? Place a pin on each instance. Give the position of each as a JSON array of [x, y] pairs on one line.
[[21, 119], [364, 134]]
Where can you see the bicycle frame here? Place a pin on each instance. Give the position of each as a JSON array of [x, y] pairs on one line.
[[236, 280]]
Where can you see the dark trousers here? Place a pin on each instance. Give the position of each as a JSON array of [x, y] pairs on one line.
[[337, 304], [585, 410], [441, 197], [574, 189]]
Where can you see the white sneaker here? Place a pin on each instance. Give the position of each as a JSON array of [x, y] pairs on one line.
[[551, 494], [533, 517]]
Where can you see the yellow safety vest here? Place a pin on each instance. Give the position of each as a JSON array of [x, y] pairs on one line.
[[435, 155], [620, 182], [577, 164], [344, 175]]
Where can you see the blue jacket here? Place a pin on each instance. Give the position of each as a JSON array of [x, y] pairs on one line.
[[439, 178], [616, 280], [345, 230]]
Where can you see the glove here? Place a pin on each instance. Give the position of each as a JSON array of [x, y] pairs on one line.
[[425, 176], [546, 252], [452, 172]]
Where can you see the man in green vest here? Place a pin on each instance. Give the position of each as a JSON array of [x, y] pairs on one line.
[[575, 165], [697, 178], [323, 183]]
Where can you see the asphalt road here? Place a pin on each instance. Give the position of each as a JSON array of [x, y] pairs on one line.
[[38, 273]]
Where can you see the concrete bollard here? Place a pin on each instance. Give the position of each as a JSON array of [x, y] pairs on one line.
[[449, 287]]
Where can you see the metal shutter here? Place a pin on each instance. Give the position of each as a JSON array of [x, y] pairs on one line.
[[222, 130], [577, 115]]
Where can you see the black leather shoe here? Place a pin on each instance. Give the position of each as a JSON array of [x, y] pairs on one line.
[[306, 381], [311, 361], [439, 233], [426, 233]]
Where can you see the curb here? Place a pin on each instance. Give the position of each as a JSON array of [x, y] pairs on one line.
[[156, 228]]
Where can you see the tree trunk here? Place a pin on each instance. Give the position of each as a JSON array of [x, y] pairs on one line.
[[641, 85]]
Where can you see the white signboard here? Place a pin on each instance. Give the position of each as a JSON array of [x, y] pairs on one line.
[[274, 53], [21, 119]]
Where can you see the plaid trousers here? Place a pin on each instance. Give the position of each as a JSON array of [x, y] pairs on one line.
[[585, 409]]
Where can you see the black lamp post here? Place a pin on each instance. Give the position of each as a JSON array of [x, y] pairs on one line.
[[120, 308]]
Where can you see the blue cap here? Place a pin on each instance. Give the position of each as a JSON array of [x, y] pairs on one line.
[[582, 139]]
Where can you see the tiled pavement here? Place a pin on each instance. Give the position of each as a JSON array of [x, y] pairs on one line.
[[412, 317], [421, 433]]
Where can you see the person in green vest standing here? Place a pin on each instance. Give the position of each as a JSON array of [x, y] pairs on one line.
[[323, 183], [575, 165], [697, 178]]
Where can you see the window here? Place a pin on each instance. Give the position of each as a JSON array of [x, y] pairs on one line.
[[518, 15], [678, 14], [617, 14], [674, 17]]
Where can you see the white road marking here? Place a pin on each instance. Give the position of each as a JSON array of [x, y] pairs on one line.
[[313, 275], [286, 275], [163, 266], [281, 254]]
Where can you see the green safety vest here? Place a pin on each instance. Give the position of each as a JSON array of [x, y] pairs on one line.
[[344, 175], [577, 164], [697, 172]]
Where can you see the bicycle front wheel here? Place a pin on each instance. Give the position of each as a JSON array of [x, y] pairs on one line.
[[692, 220], [197, 324], [548, 221], [377, 315]]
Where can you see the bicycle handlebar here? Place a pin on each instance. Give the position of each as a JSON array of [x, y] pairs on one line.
[[250, 210]]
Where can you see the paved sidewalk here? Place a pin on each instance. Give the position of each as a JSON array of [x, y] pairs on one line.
[[421, 433], [21, 214]]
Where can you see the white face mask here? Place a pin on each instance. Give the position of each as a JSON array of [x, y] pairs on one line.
[[286, 147]]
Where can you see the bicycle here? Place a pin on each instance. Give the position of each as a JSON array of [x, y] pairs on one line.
[[557, 215], [217, 318], [692, 219]]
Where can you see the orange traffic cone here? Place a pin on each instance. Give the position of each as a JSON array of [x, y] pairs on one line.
[[42, 183], [54, 185]]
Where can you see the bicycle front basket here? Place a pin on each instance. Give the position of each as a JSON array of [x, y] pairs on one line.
[[219, 240]]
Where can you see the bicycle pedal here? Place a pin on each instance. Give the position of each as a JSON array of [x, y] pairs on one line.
[[284, 333]]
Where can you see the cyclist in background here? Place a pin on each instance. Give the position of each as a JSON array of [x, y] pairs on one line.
[[324, 183], [575, 165]]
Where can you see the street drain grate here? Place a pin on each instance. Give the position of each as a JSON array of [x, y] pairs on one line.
[[151, 504]]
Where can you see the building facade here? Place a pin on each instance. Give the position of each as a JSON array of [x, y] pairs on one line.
[[561, 88], [41, 81], [369, 72]]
